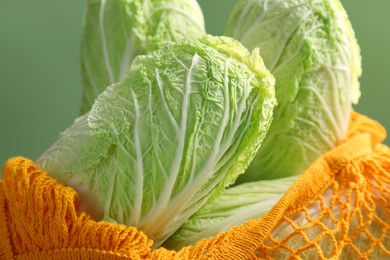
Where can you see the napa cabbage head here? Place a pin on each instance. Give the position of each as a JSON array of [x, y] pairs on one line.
[[233, 207], [311, 49], [180, 127], [116, 31]]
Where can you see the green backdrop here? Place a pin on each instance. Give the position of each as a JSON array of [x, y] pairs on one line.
[[40, 83]]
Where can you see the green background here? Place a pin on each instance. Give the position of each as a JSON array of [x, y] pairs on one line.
[[40, 83]]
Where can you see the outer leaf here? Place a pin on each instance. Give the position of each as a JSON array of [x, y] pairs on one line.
[[233, 207], [310, 48], [182, 125], [116, 31]]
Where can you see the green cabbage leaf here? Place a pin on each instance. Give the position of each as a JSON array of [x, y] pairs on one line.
[[177, 130], [116, 31], [311, 49], [233, 207]]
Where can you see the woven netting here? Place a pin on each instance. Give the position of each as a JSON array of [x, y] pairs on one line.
[[338, 209]]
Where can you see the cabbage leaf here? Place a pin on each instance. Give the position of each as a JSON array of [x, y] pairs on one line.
[[233, 207], [179, 128], [311, 49]]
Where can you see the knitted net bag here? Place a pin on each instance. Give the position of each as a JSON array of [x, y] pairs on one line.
[[338, 209]]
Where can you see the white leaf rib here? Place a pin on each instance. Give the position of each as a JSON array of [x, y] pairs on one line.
[[126, 57], [320, 133], [196, 146], [282, 47], [347, 63], [259, 21], [179, 61], [213, 158], [140, 170], [336, 103], [241, 18], [154, 147], [276, 66], [182, 132], [120, 216], [165, 210], [108, 200], [325, 107], [166, 108], [308, 146], [238, 117], [91, 80], [104, 42], [190, 16], [225, 159], [217, 151]]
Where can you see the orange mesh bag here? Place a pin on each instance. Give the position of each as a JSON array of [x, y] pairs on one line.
[[339, 208]]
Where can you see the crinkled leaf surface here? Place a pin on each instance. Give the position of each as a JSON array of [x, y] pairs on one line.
[[310, 48], [231, 208], [180, 127], [116, 31]]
